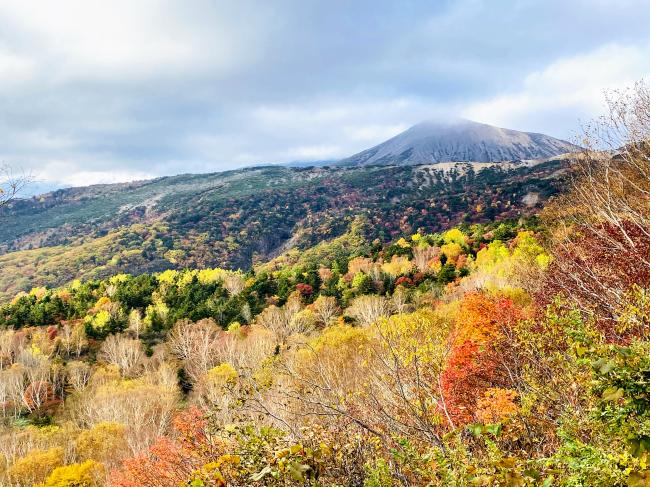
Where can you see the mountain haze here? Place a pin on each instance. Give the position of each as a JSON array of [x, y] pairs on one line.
[[459, 141]]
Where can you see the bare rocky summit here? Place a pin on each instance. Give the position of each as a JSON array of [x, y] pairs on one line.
[[459, 141]]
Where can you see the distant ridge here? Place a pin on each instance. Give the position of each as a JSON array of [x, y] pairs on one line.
[[459, 141]]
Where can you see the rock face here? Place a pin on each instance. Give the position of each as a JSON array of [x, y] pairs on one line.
[[459, 141]]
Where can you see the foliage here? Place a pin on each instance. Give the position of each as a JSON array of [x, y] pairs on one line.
[[237, 219], [86, 474], [35, 466], [384, 356]]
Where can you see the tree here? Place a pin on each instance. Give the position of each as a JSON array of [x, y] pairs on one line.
[[397, 266], [87, 474], [195, 344], [383, 378], [245, 347], [496, 405], [412, 353], [103, 443], [423, 255], [322, 375], [326, 309], [218, 392], [38, 376], [39, 395], [477, 362], [399, 299], [11, 342], [142, 406], [73, 338], [12, 384], [136, 324], [35, 466], [286, 320], [454, 236], [362, 283], [124, 352], [234, 282], [177, 459], [601, 228], [367, 309], [11, 185], [78, 374]]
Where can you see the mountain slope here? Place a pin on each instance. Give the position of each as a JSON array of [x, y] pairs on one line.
[[237, 218], [461, 140]]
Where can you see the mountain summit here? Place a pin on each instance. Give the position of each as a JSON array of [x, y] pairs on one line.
[[459, 141]]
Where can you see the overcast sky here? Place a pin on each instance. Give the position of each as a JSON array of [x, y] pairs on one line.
[[101, 91]]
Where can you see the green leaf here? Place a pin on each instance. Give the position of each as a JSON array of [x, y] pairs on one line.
[[475, 429], [598, 363], [625, 351], [532, 474], [494, 429], [638, 446], [581, 350], [612, 394], [295, 449]]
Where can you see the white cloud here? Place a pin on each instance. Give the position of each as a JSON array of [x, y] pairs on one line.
[[312, 152], [567, 90], [123, 40], [97, 91], [66, 173], [15, 69], [318, 129], [84, 178]]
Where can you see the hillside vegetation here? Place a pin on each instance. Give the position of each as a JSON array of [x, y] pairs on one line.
[[240, 218], [507, 353]]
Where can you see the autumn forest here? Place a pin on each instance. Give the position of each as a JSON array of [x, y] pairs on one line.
[[403, 345]]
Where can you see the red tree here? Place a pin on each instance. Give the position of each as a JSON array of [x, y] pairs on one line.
[[172, 460], [475, 363]]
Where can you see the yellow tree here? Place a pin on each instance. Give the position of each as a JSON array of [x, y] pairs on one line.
[[384, 378], [35, 466], [86, 474], [126, 353], [105, 442]]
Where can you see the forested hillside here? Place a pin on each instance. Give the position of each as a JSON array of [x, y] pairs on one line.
[[240, 218], [513, 352]]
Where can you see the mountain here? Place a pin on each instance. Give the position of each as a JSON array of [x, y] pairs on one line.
[[460, 140], [237, 218]]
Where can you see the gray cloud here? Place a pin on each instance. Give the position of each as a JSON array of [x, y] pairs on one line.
[[96, 91]]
